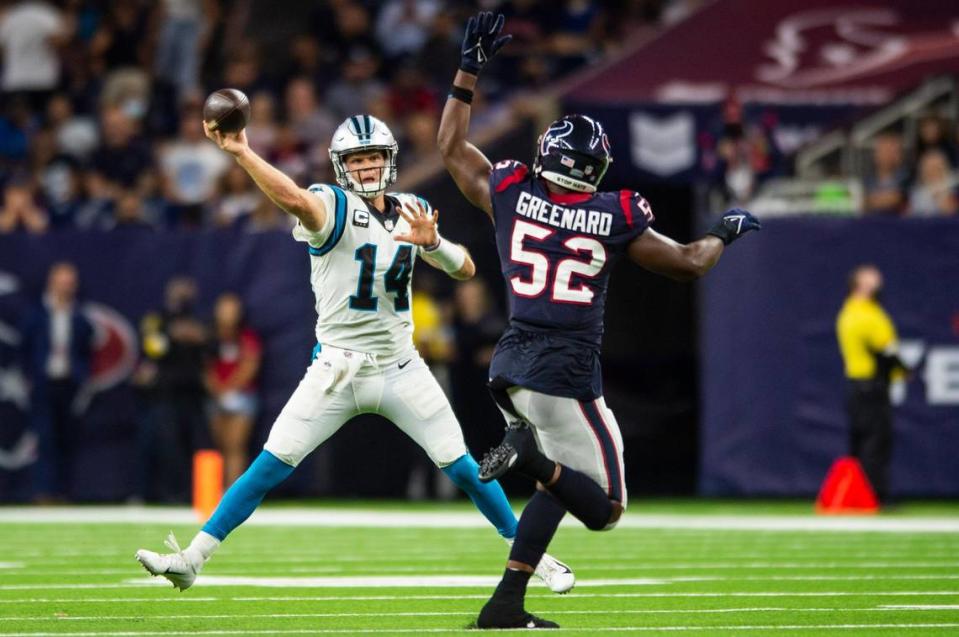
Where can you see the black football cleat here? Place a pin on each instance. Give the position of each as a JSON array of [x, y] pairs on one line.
[[499, 615], [517, 443]]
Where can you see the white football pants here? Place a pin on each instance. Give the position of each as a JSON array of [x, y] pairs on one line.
[[340, 384]]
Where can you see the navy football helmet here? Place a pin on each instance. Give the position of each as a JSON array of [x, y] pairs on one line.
[[573, 153]]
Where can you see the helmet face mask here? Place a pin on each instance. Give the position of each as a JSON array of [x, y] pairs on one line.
[[362, 133], [573, 153]]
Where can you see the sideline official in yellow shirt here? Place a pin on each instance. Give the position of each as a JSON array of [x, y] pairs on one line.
[[869, 347]]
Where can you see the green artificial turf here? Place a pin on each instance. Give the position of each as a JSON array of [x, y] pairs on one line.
[[81, 579]]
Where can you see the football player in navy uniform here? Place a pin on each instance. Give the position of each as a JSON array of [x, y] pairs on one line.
[[557, 238]]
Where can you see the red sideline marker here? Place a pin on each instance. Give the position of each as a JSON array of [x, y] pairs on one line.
[[846, 490]]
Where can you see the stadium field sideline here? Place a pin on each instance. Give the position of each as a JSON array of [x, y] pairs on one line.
[[399, 569]]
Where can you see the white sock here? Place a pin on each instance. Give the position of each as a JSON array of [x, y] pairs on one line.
[[202, 547]]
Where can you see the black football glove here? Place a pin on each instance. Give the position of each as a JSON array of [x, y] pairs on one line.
[[734, 224], [482, 41]]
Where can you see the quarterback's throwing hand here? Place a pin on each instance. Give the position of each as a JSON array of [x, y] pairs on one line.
[[423, 228], [233, 143], [482, 41], [733, 224]]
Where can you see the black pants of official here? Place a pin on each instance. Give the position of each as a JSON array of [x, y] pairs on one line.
[[173, 427], [870, 431], [56, 427]]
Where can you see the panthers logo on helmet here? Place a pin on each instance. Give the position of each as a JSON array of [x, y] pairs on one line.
[[362, 127]]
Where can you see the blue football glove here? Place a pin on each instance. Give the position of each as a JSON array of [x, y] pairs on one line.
[[482, 41], [734, 224]]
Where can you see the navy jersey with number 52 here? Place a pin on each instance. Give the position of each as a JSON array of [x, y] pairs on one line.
[[556, 253]]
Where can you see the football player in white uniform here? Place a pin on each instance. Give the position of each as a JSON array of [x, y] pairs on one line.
[[363, 243]]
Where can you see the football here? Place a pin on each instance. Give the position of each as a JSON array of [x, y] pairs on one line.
[[226, 110]]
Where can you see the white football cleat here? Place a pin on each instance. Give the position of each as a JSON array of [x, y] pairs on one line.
[[177, 567], [557, 576]]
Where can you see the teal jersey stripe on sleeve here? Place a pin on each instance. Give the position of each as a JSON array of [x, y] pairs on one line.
[[339, 225]]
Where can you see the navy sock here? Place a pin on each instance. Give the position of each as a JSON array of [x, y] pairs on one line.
[[537, 525], [583, 498], [242, 498], [538, 467], [512, 588]]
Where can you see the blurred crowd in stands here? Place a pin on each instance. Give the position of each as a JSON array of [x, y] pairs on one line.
[[100, 125], [914, 176], [918, 180]]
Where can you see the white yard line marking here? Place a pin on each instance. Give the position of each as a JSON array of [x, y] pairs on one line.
[[371, 518], [920, 607], [638, 611], [594, 629], [233, 561], [107, 600], [651, 580], [395, 581]]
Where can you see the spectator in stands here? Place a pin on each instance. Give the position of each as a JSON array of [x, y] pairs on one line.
[[352, 30], [265, 217], [31, 32], [243, 70], [20, 210], [358, 86], [261, 132], [308, 58], [183, 35], [15, 116], [61, 187], [870, 352], [75, 135], [477, 326], [310, 121], [409, 93], [934, 193], [290, 155], [231, 374], [435, 58], [403, 26], [934, 135], [123, 156], [237, 197], [191, 168], [306, 115], [95, 210], [121, 39], [885, 187], [578, 26], [745, 155], [420, 142], [171, 374], [56, 354], [130, 213]]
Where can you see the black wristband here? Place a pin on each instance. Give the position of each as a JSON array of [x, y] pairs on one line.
[[462, 94], [722, 232]]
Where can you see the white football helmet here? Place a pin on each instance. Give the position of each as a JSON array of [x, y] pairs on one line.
[[361, 133]]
